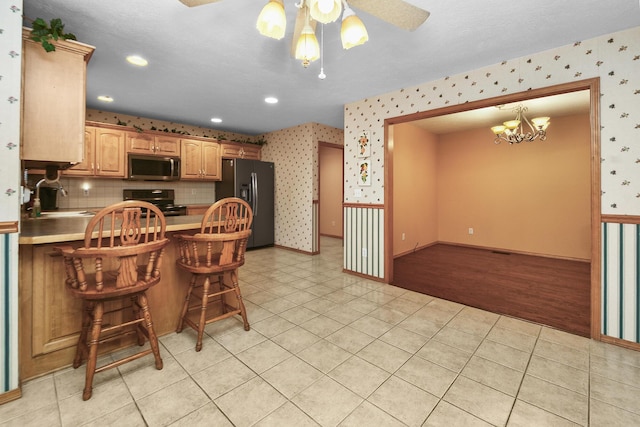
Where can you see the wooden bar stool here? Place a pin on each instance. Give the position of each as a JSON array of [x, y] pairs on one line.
[[120, 259], [219, 248]]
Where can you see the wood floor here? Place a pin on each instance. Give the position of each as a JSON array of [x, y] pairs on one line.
[[549, 291]]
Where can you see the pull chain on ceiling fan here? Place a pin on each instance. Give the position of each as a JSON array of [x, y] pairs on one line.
[[272, 21]]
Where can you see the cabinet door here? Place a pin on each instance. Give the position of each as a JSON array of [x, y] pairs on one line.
[[140, 143], [253, 152], [244, 151], [211, 161], [167, 146], [110, 153], [86, 167], [53, 101], [56, 314], [191, 156]]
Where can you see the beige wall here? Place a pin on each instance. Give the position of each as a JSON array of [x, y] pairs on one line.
[[531, 197], [415, 188], [331, 190]]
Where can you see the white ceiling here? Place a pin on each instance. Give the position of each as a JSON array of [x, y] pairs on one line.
[[211, 61]]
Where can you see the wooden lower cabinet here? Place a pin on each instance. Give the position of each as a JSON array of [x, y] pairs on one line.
[[50, 316], [197, 209]]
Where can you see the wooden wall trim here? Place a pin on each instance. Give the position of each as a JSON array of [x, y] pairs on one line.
[[362, 206], [300, 251], [10, 395], [621, 219], [619, 342], [8, 227], [365, 276]]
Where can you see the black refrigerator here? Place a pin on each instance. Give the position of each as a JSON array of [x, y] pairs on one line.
[[253, 181]]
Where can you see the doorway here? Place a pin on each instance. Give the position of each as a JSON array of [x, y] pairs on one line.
[[330, 189], [593, 203]]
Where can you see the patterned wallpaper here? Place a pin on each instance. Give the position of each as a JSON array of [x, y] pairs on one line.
[[10, 95], [10, 77], [615, 58], [161, 125], [295, 152]]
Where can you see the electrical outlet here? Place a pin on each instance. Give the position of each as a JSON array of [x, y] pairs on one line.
[[403, 236], [364, 252], [193, 192], [470, 230]]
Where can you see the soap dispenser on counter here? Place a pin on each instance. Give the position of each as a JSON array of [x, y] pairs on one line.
[[37, 208]]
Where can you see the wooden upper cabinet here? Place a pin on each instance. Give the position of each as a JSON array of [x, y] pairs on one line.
[[230, 150], [211, 161], [53, 101], [155, 145], [110, 159], [200, 160], [105, 154], [87, 166]]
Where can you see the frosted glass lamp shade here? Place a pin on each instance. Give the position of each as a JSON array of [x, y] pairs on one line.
[[325, 11], [541, 123], [307, 47], [512, 124], [272, 21], [353, 32]]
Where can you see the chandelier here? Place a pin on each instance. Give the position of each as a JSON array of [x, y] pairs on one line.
[[272, 23], [513, 131]]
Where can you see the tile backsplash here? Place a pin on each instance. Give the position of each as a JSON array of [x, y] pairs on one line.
[[103, 192]]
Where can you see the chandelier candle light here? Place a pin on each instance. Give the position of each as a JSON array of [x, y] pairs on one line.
[[512, 131]]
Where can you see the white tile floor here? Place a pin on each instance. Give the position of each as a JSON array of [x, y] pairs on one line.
[[328, 348]]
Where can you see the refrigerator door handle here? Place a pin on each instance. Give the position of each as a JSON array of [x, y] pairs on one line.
[[254, 189]]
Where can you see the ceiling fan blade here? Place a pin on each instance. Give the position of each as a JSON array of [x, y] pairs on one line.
[[300, 20], [193, 3], [396, 12]]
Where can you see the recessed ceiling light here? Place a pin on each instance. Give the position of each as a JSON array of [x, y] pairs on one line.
[[137, 60], [216, 120], [271, 100], [105, 98]]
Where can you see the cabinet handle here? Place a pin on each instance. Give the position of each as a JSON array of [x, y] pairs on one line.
[[98, 167]]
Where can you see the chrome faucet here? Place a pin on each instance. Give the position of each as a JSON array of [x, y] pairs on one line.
[[48, 181]]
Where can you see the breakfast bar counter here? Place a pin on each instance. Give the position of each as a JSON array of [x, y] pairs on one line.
[[71, 228], [49, 316]]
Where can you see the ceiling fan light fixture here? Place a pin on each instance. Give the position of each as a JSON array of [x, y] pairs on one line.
[[307, 47], [353, 32], [325, 11], [272, 21]]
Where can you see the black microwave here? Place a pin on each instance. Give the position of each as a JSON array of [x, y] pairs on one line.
[[153, 168]]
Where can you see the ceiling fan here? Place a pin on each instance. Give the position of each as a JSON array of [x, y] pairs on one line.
[[396, 12]]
